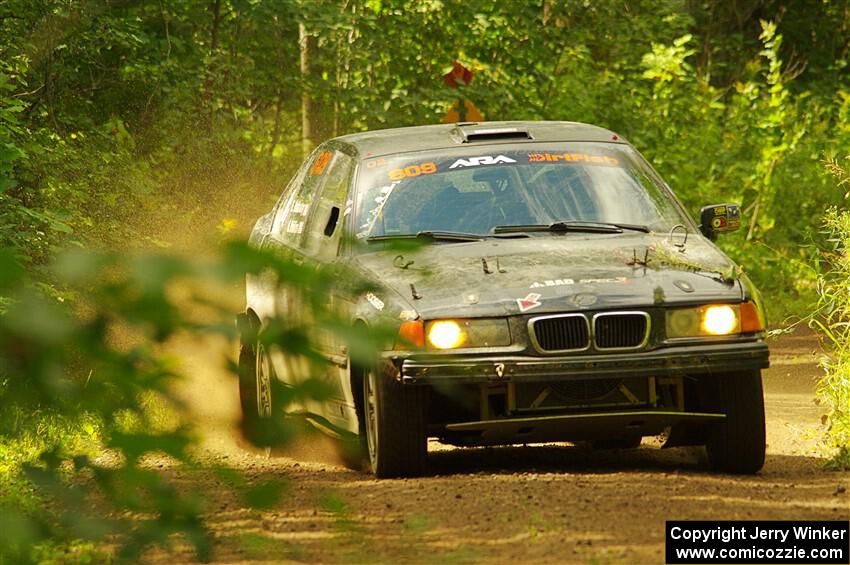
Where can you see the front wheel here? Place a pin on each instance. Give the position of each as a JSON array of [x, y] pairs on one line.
[[395, 424], [737, 444]]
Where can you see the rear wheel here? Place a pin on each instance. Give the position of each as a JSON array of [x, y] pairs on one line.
[[737, 444], [395, 424], [255, 388]]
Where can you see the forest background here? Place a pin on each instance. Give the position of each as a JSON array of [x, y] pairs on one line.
[[127, 123], [171, 124]]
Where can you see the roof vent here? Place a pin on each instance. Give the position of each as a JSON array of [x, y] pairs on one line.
[[466, 134]]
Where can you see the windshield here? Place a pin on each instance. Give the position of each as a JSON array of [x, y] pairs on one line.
[[473, 192]]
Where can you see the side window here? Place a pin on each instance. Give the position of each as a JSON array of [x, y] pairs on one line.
[[293, 217], [326, 218], [286, 198]]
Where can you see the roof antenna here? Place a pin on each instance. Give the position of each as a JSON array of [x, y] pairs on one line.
[[499, 267], [416, 295]]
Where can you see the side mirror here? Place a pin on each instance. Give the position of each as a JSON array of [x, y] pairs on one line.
[[719, 218]]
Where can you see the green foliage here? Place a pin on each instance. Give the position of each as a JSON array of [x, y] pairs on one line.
[[753, 132], [668, 63], [144, 124], [12, 212], [832, 318], [91, 366]]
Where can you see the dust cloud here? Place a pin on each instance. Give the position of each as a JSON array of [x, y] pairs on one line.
[[194, 224]]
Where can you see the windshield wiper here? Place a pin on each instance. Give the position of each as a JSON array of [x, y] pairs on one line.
[[630, 227], [573, 226], [432, 235]]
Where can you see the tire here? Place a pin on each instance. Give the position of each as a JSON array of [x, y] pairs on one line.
[[630, 442], [737, 444], [255, 392], [395, 424]]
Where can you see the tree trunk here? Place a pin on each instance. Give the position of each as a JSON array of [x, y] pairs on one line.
[[209, 82], [276, 130], [307, 45], [215, 8], [227, 79]]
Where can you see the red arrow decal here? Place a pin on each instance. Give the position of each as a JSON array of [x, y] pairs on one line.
[[529, 302]]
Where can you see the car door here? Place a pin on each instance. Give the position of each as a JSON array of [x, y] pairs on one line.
[[283, 301], [321, 244]]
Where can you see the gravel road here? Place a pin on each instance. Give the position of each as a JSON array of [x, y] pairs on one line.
[[546, 504]]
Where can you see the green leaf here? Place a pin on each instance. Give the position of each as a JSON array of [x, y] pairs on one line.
[[11, 270]]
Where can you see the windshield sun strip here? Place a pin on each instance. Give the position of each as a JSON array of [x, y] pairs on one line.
[[385, 173]]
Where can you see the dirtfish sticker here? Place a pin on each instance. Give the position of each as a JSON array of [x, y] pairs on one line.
[[530, 302], [375, 301], [483, 160], [572, 158]]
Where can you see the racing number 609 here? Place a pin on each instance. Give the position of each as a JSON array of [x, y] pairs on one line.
[[413, 171]]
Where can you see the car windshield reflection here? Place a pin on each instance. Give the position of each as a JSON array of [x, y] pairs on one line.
[[589, 187]]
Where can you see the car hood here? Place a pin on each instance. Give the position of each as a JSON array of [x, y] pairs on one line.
[[554, 273]]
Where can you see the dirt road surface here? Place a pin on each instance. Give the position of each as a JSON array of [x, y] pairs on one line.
[[545, 504]]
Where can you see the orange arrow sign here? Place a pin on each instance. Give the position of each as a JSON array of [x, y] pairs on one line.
[[463, 111]]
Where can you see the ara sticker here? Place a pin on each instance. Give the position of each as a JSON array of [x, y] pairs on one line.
[[375, 301], [572, 157], [530, 302], [483, 160], [321, 163], [554, 282]]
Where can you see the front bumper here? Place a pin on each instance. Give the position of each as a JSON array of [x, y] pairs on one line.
[[571, 427], [666, 361]]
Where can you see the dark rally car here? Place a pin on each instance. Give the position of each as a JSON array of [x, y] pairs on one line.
[[560, 293]]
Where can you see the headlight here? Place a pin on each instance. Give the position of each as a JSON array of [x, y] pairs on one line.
[[712, 319], [720, 320], [453, 334], [445, 334]]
